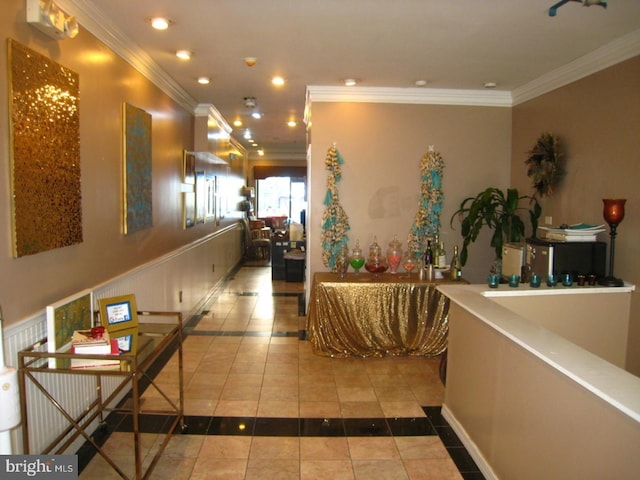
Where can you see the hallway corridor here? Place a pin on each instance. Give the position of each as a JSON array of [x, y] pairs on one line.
[[260, 405]]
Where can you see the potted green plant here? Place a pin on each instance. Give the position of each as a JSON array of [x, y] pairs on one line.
[[498, 212]]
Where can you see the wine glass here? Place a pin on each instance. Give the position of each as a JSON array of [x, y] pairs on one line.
[[409, 263]]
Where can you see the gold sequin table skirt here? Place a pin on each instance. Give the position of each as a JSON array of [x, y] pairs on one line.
[[362, 316]]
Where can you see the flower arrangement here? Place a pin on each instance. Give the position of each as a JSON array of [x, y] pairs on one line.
[[427, 221], [544, 166], [335, 223]]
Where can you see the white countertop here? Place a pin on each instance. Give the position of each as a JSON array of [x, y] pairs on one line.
[[614, 385], [504, 290]]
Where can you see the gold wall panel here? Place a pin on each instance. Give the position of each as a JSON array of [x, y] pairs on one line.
[[45, 154]]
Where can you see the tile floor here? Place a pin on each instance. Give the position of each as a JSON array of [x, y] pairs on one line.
[[260, 405]]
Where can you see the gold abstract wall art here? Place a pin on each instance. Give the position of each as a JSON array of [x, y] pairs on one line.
[[45, 152], [138, 211]]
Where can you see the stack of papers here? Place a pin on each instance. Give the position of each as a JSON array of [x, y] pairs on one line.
[[580, 232]]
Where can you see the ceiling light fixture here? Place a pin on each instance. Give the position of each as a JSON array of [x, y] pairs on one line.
[[421, 83], [250, 61], [250, 102], [350, 82], [183, 54], [490, 85], [292, 123], [256, 115], [204, 80], [247, 134], [237, 123], [160, 23], [278, 81], [260, 152]]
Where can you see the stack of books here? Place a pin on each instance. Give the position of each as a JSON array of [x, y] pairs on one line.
[[580, 232], [94, 342]]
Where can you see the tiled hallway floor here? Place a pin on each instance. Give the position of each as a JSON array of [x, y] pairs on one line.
[[260, 405]]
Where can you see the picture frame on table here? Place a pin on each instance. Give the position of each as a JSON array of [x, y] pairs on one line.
[[74, 312], [118, 313]]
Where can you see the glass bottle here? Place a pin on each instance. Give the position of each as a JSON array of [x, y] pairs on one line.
[[428, 254], [356, 260], [394, 255], [456, 266], [375, 263], [436, 252], [342, 262], [442, 262]]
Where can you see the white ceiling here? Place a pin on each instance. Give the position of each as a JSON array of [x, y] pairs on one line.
[[455, 44]]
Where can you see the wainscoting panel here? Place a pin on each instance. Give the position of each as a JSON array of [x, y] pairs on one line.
[[180, 281]]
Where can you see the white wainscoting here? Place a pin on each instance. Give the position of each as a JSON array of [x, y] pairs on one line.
[[157, 286]]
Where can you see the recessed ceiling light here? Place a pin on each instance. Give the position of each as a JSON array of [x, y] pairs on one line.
[[490, 85], [183, 54], [350, 82], [277, 80], [256, 115], [160, 23], [260, 152], [204, 80], [292, 123], [237, 123], [421, 83], [247, 134]]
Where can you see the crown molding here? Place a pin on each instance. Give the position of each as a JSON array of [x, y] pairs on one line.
[[210, 111], [92, 19], [432, 96], [617, 51]]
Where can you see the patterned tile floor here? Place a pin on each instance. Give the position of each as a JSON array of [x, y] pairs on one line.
[[260, 405]]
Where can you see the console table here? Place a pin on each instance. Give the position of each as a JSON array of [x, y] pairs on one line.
[[152, 340], [363, 316]]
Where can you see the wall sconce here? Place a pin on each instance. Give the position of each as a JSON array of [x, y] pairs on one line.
[[46, 16]]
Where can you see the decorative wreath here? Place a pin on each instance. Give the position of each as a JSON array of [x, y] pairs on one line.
[[545, 169]]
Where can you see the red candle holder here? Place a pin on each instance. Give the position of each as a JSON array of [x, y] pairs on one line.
[[613, 213]]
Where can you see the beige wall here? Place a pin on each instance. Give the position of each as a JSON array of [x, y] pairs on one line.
[[599, 323], [527, 418], [382, 145], [28, 284], [597, 120]]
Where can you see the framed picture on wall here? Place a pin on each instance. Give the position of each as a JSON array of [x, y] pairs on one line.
[[188, 168], [201, 197], [210, 199], [188, 209]]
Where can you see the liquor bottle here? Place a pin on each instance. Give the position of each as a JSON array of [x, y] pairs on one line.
[[456, 266], [428, 255], [442, 261], [436, 252]]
